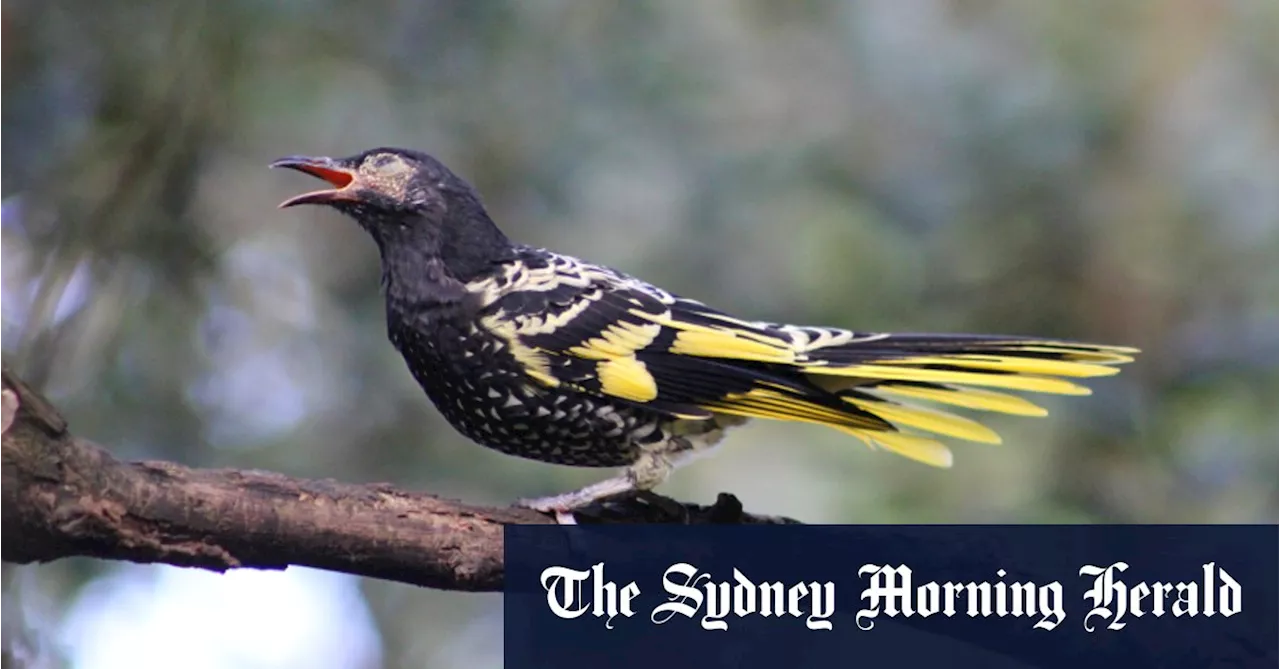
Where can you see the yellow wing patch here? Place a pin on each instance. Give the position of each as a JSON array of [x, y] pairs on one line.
[[533, 361], [710, 342], [725, 344], [619, 372], [618, 340], [627, 378]]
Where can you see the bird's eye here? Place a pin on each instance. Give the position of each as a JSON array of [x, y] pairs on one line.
[[383, 165]]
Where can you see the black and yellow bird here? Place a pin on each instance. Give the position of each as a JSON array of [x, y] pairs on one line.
[[548, 357]]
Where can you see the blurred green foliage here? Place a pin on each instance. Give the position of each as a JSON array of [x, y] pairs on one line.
[[1102, 171]]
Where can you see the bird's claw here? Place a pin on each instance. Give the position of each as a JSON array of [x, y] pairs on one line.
[[552, 505]]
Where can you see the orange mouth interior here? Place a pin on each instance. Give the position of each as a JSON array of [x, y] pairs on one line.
[[338, 178]]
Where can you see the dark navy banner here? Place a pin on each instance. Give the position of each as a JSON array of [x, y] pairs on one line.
[[784, 597]]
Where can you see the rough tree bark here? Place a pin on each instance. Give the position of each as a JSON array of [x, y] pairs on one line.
[[63, 496]]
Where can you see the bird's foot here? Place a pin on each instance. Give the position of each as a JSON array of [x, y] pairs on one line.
[[553, 505], [564, 505]]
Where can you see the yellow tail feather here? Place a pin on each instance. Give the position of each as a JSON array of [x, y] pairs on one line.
[[1102, 355], [1011, 364], [944, 375], [1037, 384], [967, 398], [769, 404], [920, 449], [929, 420]]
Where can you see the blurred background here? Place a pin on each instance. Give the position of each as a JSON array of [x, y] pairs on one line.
[[1103, 171]]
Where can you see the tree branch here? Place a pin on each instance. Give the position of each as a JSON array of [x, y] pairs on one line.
[[64, 497]]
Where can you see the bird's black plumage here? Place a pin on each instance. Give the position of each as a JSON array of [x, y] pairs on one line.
[[549, 357], [483, 390]]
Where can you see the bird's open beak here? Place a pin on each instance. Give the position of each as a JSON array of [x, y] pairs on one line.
[[339, 176]]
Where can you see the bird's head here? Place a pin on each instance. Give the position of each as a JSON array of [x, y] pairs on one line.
[[409, 201], [381, 183]]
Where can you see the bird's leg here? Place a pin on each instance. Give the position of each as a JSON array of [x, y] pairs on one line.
[[563, 505], [647, 472]]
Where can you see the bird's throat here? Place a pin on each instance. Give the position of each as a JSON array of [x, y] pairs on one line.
[[428, 263]]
